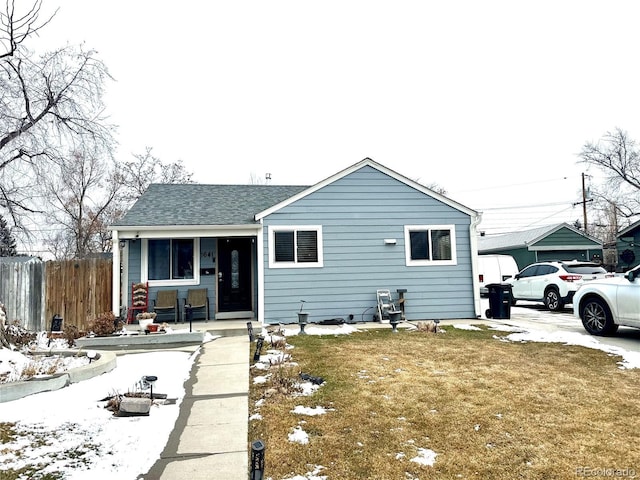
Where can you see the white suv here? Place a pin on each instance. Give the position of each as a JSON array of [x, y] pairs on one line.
[[604, 305], [553, 283]]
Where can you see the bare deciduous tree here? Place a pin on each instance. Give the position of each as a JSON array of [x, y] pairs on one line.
[[145, 169], [82, 192], [19, 23], [50, 105], [618, 157]]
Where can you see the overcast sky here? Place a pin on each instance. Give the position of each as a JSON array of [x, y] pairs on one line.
[[491, 100]]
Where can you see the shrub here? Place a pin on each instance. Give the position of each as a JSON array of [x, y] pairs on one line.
[[105, 324], [19, 336], [70, 333]]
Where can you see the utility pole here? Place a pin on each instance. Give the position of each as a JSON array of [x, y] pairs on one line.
[[584, 203]]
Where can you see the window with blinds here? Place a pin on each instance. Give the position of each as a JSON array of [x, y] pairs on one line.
[[295, 246], [430, 245]]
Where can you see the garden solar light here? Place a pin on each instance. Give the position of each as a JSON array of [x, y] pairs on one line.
[[257, 460], [302, 318], [150, 380]]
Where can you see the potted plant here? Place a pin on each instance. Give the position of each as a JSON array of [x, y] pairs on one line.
[[145, 320]]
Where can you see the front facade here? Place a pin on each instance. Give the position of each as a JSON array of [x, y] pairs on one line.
[[555, 242], [325, 248]]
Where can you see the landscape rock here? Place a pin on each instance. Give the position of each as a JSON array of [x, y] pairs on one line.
[[130, 406]]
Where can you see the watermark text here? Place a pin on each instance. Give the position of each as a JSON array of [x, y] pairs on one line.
[[591, 472]]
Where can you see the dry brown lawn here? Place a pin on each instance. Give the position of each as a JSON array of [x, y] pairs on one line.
[[489, 409]]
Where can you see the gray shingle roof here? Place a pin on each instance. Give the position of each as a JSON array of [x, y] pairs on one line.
[[524, 238], [516, 239], [197, 204]]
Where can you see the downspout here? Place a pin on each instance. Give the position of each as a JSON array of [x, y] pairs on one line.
[[473, 241], [115, 274]]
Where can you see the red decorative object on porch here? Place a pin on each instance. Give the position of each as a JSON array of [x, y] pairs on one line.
[[139, 300]]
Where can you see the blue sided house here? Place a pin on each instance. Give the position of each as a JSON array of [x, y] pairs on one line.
[[258, 251]]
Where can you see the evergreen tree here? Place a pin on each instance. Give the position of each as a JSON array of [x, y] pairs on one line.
[[7, 242]]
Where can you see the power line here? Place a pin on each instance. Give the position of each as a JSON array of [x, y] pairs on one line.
[[526, 206], [495, 187]]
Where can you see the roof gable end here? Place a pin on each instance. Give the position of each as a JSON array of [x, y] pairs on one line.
[[353, 168], [630, 230], [528, 238]]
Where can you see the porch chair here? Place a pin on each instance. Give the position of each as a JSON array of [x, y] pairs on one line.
[[198, 299], [166, 303]]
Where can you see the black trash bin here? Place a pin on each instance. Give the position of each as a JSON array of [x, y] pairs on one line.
[[499, 301]]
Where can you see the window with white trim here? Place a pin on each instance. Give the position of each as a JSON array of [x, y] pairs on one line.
[[169, 261], [295, 246], [430, 245]]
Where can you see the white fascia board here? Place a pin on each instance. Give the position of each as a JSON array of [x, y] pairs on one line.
[[191, 231]]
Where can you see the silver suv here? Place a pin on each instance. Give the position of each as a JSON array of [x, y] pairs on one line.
[[553, 283]]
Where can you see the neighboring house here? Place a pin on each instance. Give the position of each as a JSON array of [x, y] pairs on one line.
[[628, 246], [260, 250], [555, 242]]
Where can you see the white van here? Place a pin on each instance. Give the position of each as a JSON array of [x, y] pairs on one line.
[[495, 269]]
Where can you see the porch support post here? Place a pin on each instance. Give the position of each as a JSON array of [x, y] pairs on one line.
[[115, 274]]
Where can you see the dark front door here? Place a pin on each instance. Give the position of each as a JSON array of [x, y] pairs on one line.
[[234, 274]]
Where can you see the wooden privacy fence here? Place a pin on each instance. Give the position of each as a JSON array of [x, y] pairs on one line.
[[34, 291], [77, 290]]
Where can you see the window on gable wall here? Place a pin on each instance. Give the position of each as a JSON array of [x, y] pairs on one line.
[[171, 259], [295, 246], [430, 245]]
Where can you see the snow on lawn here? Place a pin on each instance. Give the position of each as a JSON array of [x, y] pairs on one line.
[[464, 326], [302, 410], [343, 329], [629, 359], [69, 431]]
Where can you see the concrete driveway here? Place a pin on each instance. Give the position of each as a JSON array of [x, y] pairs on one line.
[[533, 316]]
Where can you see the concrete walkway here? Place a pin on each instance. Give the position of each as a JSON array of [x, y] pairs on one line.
[[209, 440]]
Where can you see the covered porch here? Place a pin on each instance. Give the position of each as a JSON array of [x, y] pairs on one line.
[[178, 273]]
